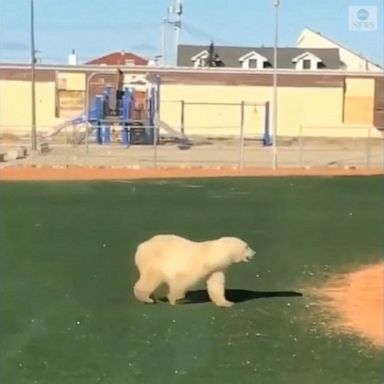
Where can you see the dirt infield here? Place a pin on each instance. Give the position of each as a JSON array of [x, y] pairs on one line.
[[99, 173], [357, 300]]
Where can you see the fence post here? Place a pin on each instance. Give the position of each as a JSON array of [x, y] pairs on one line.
[[369, 147], [86, 137], [74, 139], [241, 162], [155, 139], [66, 146], [182, 117], [156, 119], [301, 146]]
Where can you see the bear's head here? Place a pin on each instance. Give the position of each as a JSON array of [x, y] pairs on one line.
[[238, 250]]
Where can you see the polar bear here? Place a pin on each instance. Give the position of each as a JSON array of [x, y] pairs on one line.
[[180, 263]]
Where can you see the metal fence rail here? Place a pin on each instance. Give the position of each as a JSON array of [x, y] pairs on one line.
[[234, 148], [361, 145]]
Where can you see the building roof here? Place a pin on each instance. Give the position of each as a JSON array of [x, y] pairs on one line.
[[230, 55], [119, 58]]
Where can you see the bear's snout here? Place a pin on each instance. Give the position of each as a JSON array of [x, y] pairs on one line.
[[249, 254]]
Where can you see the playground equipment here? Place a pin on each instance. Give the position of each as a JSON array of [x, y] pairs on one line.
[[125, 115], [59, 128]]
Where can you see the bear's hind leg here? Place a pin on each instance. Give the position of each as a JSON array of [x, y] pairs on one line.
[[216, 289], [146, 285]]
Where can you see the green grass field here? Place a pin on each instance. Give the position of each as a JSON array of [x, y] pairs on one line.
[[67, 310]]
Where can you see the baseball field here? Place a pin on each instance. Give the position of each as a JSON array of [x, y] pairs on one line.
[[308, 307]]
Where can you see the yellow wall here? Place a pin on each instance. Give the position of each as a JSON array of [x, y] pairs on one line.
[[214, 119], [15, 105], [71, 94], [359, 101], [71, 81], [306, 106], [296, 106]]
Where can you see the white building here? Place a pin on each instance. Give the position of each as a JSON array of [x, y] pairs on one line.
[[352, 61]]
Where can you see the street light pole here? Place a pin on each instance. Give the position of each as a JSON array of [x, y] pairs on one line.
[[276, 4], [164, 40], [33, 81]]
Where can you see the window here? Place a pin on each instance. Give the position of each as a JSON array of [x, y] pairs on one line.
[[252, 63], [253, 60], [306, 64], [307, 61]]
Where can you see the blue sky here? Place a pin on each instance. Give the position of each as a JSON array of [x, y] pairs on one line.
[[97, 27]]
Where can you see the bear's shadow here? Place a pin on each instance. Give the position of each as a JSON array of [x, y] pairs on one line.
[[235, 295]]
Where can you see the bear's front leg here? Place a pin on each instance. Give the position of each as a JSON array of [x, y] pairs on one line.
[[175, 295], [177, 288], [216, 290]]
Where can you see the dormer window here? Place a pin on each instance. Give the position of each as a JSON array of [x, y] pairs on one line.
[[253, 60], [252, 63], [307, 64], [307, 61], [200, 59]]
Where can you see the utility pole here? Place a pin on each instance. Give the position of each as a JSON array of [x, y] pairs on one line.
[[173, 19], [177, 25], [276, 4], [33, 80], [164, 40]]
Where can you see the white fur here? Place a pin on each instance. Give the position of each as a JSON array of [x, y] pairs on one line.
[[180, 263]]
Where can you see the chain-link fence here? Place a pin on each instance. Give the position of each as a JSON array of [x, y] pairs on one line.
[[323, 146], [152, 146]]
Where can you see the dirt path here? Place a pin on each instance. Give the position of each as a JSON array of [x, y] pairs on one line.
[[357, 299], [79, 173]]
